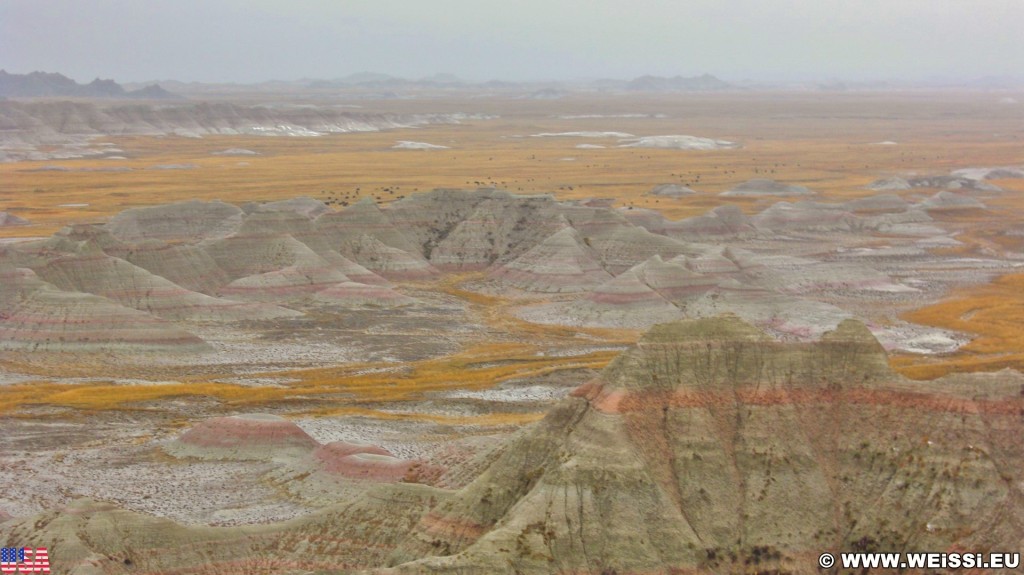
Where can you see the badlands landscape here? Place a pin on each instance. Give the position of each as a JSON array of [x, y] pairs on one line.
[[485, 331]]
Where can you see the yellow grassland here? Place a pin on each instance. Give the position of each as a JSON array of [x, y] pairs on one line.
[[995, 312], [347, 386], [836, 161]]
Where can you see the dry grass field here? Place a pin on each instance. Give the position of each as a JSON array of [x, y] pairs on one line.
[[828, 142]]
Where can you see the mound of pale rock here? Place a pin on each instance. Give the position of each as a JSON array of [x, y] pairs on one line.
[[7, 219], [236, 152], [409, 145], [890, 184], [671, 191], [762, 187], [951, 201], [677, 142], [998, 173], [954, 183]]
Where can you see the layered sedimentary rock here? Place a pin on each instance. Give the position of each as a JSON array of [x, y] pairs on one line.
[[734, 453], [388, 262], [561, 263], [36, 316]]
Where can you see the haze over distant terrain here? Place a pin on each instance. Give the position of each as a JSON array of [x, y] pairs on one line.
[[250, 41]]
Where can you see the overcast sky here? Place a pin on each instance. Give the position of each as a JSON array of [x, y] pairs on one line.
[[255, 40]]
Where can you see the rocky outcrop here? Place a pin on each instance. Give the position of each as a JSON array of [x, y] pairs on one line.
[[734, 453]]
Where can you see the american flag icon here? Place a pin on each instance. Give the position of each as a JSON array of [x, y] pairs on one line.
[[24, 560]]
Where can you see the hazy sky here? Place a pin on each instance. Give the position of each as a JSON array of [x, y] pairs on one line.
[[254, 40]]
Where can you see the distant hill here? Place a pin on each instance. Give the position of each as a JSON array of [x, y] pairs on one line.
[[703, 83], [43, 84]]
